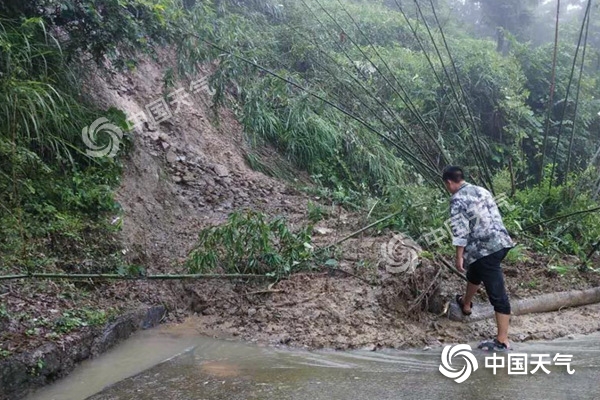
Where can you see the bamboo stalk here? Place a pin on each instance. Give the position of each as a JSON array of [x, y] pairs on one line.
[[135, 278], [561, 217], [486, 169], [431, 174], [12, 277], [458, 111], [423, 151], [358, 119], [581, 71], [566, 99], [552, 90]]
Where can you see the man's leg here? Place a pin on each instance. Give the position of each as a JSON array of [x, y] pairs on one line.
[[493, 279], [468, 297], [503, 321], [473, 283]]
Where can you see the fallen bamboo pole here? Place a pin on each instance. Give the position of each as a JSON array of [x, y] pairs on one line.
[[133, 278], [539, 304]]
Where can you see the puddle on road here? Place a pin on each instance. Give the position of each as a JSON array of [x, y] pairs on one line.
[[219, 369]]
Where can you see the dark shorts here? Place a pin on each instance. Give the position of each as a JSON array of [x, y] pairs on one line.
[[489, 271]]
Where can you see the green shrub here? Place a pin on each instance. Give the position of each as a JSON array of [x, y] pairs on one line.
[[250, 243]]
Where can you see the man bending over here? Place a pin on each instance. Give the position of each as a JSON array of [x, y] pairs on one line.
[[481, 242]]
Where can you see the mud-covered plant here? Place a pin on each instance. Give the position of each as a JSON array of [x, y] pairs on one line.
[[251, 243]]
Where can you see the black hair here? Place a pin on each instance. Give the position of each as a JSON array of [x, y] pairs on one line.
[[453, 173]]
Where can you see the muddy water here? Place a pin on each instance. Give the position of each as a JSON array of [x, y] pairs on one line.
[[217, 369]]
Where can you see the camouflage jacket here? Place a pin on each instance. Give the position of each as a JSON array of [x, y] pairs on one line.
[[476, 223]]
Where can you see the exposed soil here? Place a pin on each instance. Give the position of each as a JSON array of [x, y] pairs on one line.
[[341, 312], [188, 173]]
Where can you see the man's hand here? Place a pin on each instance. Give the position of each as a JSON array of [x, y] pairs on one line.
[[459, 264]]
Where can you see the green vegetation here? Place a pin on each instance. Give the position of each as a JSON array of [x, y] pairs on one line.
[[52, 196], [250, 243], [75, 319], [315, 212]]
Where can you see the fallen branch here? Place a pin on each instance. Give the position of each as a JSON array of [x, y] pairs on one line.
[[539, 304]]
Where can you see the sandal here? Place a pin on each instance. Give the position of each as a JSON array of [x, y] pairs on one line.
[[462, 306], [492, 345]]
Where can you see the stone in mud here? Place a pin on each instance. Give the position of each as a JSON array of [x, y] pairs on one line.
[[172, 158], [221, 170], [323, 231], [150, 127], [189, 177]]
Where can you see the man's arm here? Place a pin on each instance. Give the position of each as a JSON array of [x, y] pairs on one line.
[[460, 251], [460, 230]]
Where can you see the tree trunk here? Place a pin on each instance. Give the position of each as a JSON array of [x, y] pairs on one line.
[[539, 304]]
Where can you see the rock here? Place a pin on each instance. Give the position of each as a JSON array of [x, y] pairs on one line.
[[177, 179], [150, 127], [189, 177], [153, 135], [251, 311], [221, 170], [323, 231], [172, 158], [208, 311], [165, 145], [285, 339]]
